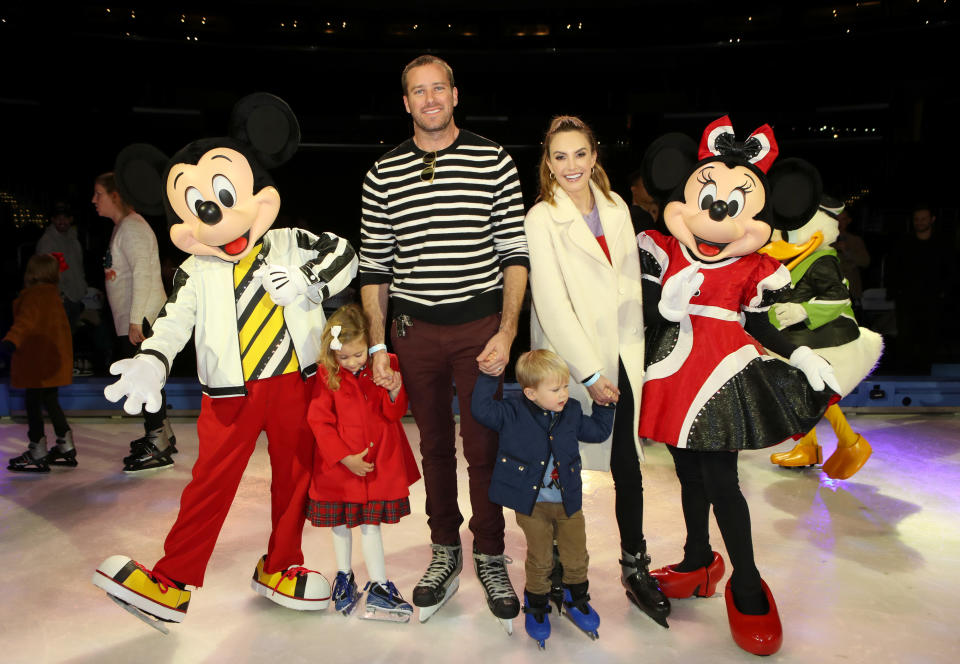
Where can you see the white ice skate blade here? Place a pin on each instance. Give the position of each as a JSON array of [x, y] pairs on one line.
[[154, 622], [427, 611], [507, 624], [385, 615], [129, 600]]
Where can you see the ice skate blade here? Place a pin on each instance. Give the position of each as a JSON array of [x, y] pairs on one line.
[[153, 621], [541, 644], [348, 610], [427, 611], [660, 620], [507, 624], [383, 615]]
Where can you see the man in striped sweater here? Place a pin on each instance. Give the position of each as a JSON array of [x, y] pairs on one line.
[[442, 239]]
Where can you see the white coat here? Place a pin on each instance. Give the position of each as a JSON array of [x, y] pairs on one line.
[[587, 310]]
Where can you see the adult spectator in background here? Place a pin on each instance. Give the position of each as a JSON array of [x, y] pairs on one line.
[[644, 211], [920, 276], [135, 292], [853, 256], [61, 236]]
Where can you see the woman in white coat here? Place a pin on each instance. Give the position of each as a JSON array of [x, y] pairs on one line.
[[587, 307]]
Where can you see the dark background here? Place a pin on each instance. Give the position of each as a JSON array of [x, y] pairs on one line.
[[866, 91]]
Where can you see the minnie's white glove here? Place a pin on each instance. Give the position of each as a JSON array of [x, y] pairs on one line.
[[789, 313], [141, 379], [677, 291], [284, 284], [817, 370]]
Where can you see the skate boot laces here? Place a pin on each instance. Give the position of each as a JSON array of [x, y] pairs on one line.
[[493, 574], [442, 564], [162, 580]]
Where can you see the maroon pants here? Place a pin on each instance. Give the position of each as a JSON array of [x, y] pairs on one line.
[[433, 358], [228, 429]]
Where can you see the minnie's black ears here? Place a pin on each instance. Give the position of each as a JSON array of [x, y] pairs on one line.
[[267, 124], [794, 191], [138, 170], [667, 164]]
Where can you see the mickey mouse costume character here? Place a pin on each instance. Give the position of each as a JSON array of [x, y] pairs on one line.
[[252, 298], [819, 314], [710, 390]]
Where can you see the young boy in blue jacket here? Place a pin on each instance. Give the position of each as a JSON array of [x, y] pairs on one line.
[[537, 474]]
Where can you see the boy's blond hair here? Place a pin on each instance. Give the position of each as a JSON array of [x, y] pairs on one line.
[[535, 366]]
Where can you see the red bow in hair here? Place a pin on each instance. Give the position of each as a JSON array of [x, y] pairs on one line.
[[61, 261], [760, 148]]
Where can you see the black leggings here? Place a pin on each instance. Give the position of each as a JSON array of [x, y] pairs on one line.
[[36, 399], [625, 468], [125, 348], [711, 478]]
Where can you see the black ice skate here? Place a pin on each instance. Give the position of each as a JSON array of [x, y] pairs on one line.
[[440, 581], [152, 454], [642, 589], [502, 600], [63, 453]]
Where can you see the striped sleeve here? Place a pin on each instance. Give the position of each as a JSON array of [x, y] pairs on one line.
[[507, 215], [377, 240]]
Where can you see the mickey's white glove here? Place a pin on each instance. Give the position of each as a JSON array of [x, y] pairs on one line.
[[141, 379], [817, 370], [789, 313], [284, 284], [677, 291]]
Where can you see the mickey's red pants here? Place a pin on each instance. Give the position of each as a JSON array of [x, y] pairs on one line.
[[228, 429]]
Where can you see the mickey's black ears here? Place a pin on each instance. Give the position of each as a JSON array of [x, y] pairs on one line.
[[794, 190], [138, 170], [667, 163], [267, 124]]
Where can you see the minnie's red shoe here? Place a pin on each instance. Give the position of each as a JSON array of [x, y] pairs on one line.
[[700, 582], [760, 635]]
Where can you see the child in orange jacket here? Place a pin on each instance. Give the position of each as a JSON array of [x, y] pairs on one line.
[[42, 361]]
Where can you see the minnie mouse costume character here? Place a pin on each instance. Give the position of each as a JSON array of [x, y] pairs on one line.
[[710, 390], [252, 299]]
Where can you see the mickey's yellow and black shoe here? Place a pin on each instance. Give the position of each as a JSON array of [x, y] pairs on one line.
[[296, 587], [148, 591]]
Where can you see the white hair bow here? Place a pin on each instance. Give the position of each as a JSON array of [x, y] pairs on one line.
[[335, 341]]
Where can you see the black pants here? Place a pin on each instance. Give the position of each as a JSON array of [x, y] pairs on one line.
[[625, 468], [36, 399], [125, 349], [710, 478]]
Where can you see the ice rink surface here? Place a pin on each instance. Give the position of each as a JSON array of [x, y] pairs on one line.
[[863, 570]]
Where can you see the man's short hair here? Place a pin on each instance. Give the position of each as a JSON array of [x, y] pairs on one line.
[[535, 366], [922, 205], [421, 60]]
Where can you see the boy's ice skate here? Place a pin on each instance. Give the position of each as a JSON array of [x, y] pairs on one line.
[[384, 602], [578, 609], [537, 622], [502, 600], [345, 593], [296, 587], [149, 596], [440, 581]]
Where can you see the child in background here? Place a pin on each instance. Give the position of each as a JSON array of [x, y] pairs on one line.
[[364, 465], [42, 350], [537, 474]]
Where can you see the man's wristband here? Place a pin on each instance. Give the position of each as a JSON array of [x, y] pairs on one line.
[[376, 348], [591, 380]]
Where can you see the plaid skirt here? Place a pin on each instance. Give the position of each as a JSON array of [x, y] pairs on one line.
[[329, 514]]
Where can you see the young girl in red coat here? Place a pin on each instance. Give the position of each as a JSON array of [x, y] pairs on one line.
[[364, 465], [42, 350]]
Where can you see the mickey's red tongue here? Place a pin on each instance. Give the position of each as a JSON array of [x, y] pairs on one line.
[[707, 249], [235, 247]]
